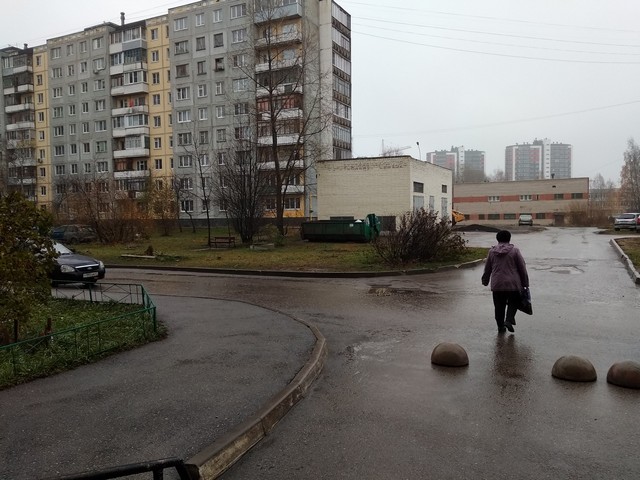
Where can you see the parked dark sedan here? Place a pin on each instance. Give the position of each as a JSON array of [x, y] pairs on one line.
[[74, 233], [73, 268]]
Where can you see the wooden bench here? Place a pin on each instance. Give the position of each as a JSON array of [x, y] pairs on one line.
[[223, 242]]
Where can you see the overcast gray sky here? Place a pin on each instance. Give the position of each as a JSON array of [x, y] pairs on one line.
[[483, 74]]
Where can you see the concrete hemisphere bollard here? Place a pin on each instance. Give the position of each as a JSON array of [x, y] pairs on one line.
[[449, 355], [574, 369], [624, 374]]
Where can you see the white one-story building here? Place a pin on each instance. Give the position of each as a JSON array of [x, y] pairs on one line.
[[386, 186]]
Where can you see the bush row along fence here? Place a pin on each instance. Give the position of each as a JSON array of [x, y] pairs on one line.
[[57, 351]]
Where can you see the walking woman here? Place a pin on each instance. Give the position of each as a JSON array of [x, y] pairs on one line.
[[506, 269]]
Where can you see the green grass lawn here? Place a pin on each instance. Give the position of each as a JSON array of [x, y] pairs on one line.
[[188, 249]]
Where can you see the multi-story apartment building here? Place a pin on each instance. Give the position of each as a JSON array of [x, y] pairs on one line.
[[541, 159], [18, 111], [467, 165], [170, 100]]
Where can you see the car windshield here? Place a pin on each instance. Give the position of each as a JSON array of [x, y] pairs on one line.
[[627, 215], [61, 249]]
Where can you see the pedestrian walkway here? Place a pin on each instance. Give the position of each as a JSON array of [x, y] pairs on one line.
[[221, 364]]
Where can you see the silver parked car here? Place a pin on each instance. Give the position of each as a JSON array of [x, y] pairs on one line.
[[628, 221]]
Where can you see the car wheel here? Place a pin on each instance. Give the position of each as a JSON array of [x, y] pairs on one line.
[[617, 229]]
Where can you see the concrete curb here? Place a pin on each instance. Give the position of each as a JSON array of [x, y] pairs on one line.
[[215, 459], [301, 274], [627, 261]]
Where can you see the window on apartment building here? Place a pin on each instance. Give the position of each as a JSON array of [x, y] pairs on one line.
[[86, 147], [41, 98], [40, 116], [56, 72], [181, 47], [240, 60], [158, 163], [203, 138], [186, 205], [180, 24], [182, 70], [219, 64], [55, 52], [157, 121], [218, 40], [98, 64], [199, 19], [202, 90], [155, 78], [493, 198], [58, 131], [221, 156], [100, 84], [72, 110], [83, 67], [558, 196], [241, 108], [292, 203], [237, 11], [101, 146], [85, 127], [155, 99], [83, 46], [238, 36], [493, 216], [202, 69], [185, 161], [100, 105], [240, 84], [97, 43], [72, 129], [43, 191], [576, 196], [38, 60], [74, 149], [155, 56], [154, 34], [60, 169], [57, 92], [444, 189], [219, 111], [102, 167], [71, 89], [509, 216], [84, 87], [100, 126], [58, 151], [184, 138], [217, 15], [221, 135], [184, 116], [87, 168], [69, 50], [200, 43], [525, 198], [418, 187], [157, 142], [183, 93], [57, 112], [203, 113], [219, 88], [71, 70]]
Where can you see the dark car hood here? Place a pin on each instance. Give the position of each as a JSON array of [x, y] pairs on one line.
[[76, 260]]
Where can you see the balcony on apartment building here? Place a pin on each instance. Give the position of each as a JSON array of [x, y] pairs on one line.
[[282, 89], [279, 40], [286, 114], [287, 9], [21, 125], [131, 169], [131, 146], [134, 109], [19, 107], [127, 67], [277, 64]]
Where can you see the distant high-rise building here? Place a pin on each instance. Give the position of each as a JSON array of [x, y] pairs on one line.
[[467, 165], [539, 160]]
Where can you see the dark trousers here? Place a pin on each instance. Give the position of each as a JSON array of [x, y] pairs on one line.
[[508, 301]]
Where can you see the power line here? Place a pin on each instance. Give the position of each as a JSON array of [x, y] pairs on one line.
[[497, 54], [485, 17], [497, 124], [504, 44], [386, 21]]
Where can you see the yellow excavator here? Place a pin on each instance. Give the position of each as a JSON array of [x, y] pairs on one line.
[[456, 217]]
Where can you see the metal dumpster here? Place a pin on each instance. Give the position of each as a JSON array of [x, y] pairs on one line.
[[341, 229]]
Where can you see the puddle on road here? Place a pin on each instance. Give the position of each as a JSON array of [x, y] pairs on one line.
[[562, 269], [388, 290]]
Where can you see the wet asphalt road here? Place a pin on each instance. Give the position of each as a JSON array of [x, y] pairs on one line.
[[380, 410]]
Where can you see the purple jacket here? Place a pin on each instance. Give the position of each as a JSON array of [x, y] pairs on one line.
[[506, 269]]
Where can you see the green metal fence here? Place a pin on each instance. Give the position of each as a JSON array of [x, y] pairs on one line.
[[65, 348]]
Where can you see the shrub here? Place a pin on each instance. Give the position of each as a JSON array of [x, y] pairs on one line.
[[420, 237]]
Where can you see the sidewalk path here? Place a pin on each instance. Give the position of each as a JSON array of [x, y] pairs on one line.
[[222, 362]]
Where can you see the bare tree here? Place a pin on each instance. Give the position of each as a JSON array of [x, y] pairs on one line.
[[291, 114], [497, 176], [630, 177], [162, 204]]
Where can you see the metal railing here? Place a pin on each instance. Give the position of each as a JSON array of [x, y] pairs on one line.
[[157, 467], [71, 346]]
